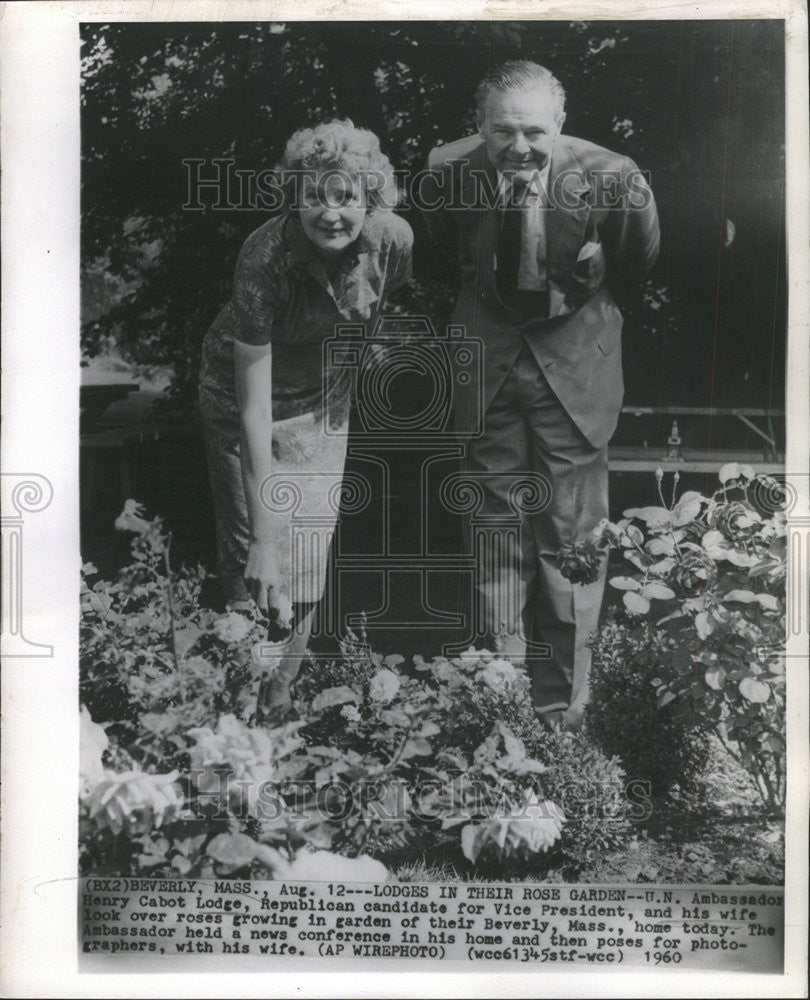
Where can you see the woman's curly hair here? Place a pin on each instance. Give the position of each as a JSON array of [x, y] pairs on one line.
[[340, 146]]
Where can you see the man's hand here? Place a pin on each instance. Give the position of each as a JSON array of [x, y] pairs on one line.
[[264, 581]]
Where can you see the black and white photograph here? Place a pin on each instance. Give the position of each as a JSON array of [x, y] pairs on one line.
[[443, 541]]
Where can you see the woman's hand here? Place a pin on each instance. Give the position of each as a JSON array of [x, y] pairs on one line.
[[253, 369], [264, 580]]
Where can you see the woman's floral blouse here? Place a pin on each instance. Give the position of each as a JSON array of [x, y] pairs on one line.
[[283, 296]]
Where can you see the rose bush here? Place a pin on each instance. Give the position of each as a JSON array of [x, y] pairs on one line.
[[701, 621], [387, 759], [391, 761]]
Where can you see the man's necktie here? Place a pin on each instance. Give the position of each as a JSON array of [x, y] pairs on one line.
[[508, 256], [508, 251]]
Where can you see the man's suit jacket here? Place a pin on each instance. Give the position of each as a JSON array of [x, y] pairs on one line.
[[601, 229]]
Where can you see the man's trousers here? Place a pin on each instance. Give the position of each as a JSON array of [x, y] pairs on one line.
[[535, 615]]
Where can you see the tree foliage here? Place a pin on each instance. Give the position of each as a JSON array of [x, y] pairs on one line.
[[697, 103]]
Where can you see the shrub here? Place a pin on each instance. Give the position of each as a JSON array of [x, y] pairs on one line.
[[661, 746], [441, 757], [706, 591], [493, 764], [152, 661], [599, 802]]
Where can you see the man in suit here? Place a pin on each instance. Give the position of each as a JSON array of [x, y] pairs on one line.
[[549, 230]]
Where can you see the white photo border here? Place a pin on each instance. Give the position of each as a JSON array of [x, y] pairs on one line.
[[40, 310]]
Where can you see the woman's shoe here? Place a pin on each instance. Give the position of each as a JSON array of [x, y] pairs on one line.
[[549, 720], [273, 703], [568, 720], [571, 719]]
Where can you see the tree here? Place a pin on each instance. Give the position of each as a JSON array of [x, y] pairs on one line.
[[697, 103]]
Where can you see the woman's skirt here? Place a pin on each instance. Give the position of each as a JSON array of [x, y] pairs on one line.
[[302, 497]]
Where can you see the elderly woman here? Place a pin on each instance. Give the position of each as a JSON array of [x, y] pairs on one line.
[[275, 414]]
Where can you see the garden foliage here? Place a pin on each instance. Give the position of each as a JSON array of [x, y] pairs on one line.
[[164, 104], [386, 761], [442, 761], [698, 641]]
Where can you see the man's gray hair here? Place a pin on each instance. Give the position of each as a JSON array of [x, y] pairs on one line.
[[520, 74]]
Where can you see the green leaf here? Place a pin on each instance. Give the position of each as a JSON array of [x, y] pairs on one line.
[[754, 691], [636, 604], [325, 751], [652, 515], [514, 747], [323, 776], [334, 696], [633, 535], [704, 625], [185, 638], [624, 583], [660, 546], [633, 557], [738, 558], [530, 766], [663, 566], [657, 591], [448, 822], [232, 850], [687, 508], [189, 845], [681, 658], [715, 677], [743, 596], [764, 567], [100, 603], [454, 759], [150, 860], [471, 842], [394, 717], [416, 747]]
